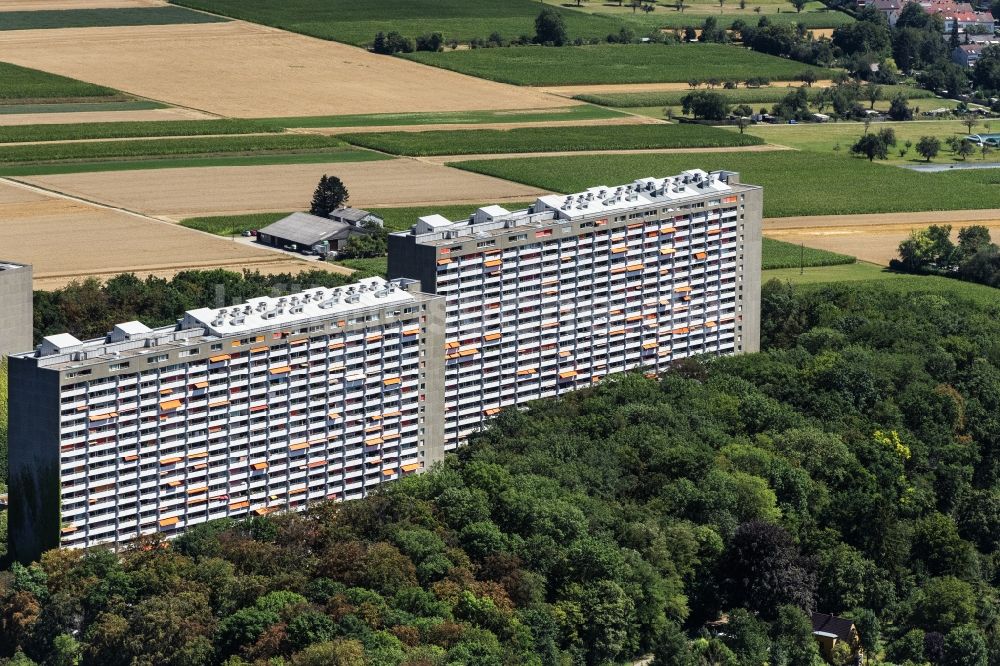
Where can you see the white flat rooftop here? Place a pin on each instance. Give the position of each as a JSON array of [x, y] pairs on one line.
[[271, 312]]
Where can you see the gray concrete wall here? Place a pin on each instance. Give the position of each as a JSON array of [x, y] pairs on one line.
[[33, 460], [434, 376], [750, 283], [408, 259], [15, 310]]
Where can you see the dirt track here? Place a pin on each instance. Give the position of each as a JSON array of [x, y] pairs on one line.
[[180, 193], [873, 238], [245, 70], [69, 240], [14, 119]]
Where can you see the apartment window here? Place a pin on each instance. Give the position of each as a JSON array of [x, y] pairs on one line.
[[517, 237], [217, 346], [488, 243], [159, 358], [118, 366], [78, 373]]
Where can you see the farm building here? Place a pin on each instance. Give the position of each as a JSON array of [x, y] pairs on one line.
[[302, 231], [355, 217], [828, 630]]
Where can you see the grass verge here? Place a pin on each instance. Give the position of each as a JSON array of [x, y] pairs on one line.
[[547, 139], [616, 63], [793, 182], [79, 107]]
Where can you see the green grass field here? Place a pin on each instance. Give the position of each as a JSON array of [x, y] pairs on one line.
[[328, 156], [357, 22], [232, 225], [578, 112], [375, 266], [695, 16], [91, 18], [616, 63], [25, 85], [141, 148], [795, 182], [824, 137], [79, 107], [129, 130], [779, 254], [901, 283], [753, 96], [549, 139]]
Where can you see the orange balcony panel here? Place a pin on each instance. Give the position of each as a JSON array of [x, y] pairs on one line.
[[259, 466], [280, 371], [170, 404], [412, 467], [567, 374], [167, 522], [236, 506], [391, 380], [170, 461], [219, 358]]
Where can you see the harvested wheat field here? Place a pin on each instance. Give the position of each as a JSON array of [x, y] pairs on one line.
[[873, 238], [244, 70], [11, 119], [190, 192], [69, 240]]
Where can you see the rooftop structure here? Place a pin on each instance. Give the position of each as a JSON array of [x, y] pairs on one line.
[[16, 320], [305, 231]]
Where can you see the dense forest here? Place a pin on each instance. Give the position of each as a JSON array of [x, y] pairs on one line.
[[852, 468]]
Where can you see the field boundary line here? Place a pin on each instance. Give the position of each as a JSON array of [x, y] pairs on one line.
[[450, 160]]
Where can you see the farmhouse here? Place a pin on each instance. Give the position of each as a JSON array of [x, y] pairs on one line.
[[355, 217], [828, 630], [302, 231]]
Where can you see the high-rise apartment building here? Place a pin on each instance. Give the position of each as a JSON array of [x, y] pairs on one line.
[[15, 308], [576, 287], [328, 393], [234, 411]]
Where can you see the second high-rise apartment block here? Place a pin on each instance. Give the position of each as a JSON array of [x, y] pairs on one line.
[[326, 394], [576, 287]]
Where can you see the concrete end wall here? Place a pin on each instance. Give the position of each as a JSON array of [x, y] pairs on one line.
[[752, 247], [16, 308], [33, 460]]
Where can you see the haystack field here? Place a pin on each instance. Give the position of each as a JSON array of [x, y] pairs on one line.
[[244, 70], [69, 240], [196, 191]]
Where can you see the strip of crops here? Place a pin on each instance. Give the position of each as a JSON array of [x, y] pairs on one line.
[[101, 150], [733, 96], [102, 17], [578, 112], [779, 254], [616, 63], [549, 139], [795, 182], [127, 130], [24, 83], [693, 19]]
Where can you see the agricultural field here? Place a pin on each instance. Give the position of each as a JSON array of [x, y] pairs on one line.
[[779, 254], [769, 94], [130, 130], [833, 138], [666, 14], [548, 139], [107, 242], [616, 63], [241, 70], [101, 17], [78, 107], [23, 85], [232, 225], [794, 185], [178, 193], [580, 112], [357, 23]]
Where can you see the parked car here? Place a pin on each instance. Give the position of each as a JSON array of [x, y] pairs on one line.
[[248, 234]]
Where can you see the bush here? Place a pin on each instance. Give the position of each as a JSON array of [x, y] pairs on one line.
[[431, 42]]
